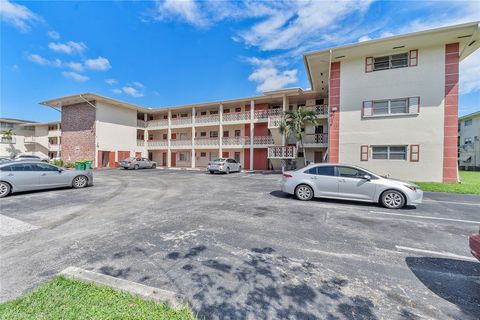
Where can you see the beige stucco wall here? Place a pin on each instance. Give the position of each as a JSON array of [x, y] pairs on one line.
[[426, 129], [116, 129], [38, 148]]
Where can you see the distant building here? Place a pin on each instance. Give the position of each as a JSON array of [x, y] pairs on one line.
[[469, 141], [34, 138]]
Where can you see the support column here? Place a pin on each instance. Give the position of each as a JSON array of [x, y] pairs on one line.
[[220, 134], [169, 134], [145, 136], [252, 124], [193, 138], [285, 109]]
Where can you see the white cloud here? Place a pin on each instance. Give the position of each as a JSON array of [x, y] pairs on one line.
[[18, 15], [132, 91], [364, 38], [54, 35], [268, 76], [469, 74], [38, 59], [76, 66], [111, 81], [138, 84], [100, 63], [117, 91], [74, 76], [68, 48], [183, 9]]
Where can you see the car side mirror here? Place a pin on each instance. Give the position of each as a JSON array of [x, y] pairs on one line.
[[367, 177]]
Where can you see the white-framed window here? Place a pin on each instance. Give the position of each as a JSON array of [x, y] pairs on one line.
[[203, 154], [391, 107], [213, 134], [467, 123], [203, 134], [393, 61], [389, 152], [213, 111]]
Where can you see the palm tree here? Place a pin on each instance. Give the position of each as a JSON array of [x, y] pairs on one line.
[[293, 123], [7, 134]]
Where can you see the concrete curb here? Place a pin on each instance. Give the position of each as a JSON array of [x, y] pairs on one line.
[[149, 293]]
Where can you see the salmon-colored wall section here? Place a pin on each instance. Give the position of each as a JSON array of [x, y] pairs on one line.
[[260, 129], [260, 160], [451, 113], [99, 159], [246, 158], [333, 135]]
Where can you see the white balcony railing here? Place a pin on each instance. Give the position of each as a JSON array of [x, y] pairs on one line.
[[282, 152], [54, 133], [236, 116], [234, 141], [157, 143], [53, 147], [141, 123], [29, 139], [140, 143], [181, 142], [263, 140], [321, 109], [212, 118], [264, 114], [206, 142], [274, 121], [316, 138], [157, 123], [181, 121]]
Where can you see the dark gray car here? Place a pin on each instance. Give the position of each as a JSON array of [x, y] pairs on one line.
[[36, 175]]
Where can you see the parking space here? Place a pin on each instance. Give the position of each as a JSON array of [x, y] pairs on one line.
[[236, 247]]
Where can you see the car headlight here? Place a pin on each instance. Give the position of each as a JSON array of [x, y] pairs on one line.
[[411, 187]]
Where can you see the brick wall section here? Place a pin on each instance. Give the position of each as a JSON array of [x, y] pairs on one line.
[[78, 132], [451, 112], [333, 135]]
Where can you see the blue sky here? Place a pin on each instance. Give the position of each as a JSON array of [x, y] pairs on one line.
[[165, 53]]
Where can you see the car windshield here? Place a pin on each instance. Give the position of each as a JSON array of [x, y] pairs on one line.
[[219, 160]]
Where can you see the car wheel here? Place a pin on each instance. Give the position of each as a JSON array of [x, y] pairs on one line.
[[392, 199], [154, 166], [4, 189], [304, 192], [135, 167], [80, 182], [227, 171], [212, 172]]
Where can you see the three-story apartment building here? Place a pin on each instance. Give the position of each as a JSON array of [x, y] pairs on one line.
[[32, 138], [389, 105]]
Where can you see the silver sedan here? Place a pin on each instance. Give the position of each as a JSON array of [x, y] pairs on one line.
[[226, 165], [36, 175], [343, 181], [137, 163]]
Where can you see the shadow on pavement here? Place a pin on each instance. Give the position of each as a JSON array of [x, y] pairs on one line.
[[456, 281]]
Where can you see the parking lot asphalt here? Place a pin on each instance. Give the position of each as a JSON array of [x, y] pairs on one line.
[[238, 248]]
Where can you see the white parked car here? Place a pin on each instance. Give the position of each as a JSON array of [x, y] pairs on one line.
[[226, 165], [343, 181]]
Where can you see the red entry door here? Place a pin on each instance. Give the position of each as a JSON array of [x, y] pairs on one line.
[[318, 157], [164, 159], [174, 159], [225, 154]]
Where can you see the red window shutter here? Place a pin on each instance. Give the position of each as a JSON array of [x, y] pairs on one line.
[[368, 64], [414, 153], [174, 136], [413, 58], [364, 153]]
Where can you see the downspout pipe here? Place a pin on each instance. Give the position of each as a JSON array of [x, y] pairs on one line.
[[327, 155]]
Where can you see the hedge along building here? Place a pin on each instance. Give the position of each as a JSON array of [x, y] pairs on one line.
[[390, 105]]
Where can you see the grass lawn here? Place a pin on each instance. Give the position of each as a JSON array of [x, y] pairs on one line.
[[62, 298], [470, 183]]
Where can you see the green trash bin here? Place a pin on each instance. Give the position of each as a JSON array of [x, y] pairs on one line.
[[88, 164], [79, 165]]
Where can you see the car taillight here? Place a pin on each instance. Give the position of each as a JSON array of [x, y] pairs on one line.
[[220, 163], [286, 175], [129, 162]]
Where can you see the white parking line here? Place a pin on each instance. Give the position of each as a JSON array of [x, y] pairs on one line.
[[452, 202], [10, 226], [424, 217], [437, 253]]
